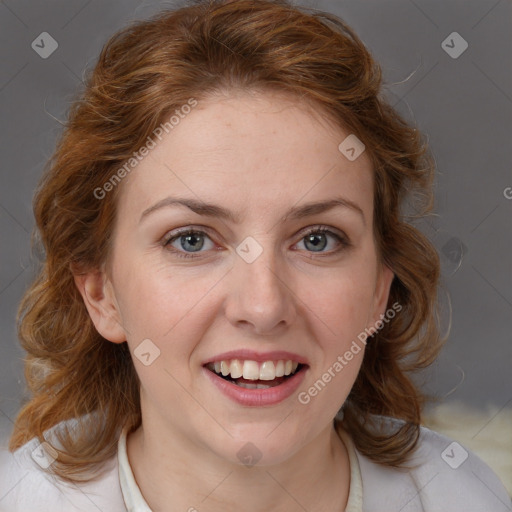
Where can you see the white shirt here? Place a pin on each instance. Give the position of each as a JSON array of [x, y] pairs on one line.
[[444, 479]]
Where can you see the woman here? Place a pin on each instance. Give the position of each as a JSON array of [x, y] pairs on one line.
[[232, 304]]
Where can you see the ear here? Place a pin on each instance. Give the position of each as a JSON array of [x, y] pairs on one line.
[[381, 295], [98, 295]]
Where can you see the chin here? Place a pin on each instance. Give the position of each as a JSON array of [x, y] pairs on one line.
[[254, 447]]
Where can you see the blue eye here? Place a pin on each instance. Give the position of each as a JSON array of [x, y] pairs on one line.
[[191, 241], [188, 239], [316, 239]]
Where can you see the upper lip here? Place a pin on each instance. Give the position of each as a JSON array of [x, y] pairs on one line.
[[260, 357]]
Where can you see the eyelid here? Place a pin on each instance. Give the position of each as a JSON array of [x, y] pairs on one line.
[[340, 236], [186, 229], [325, 229], [303, 232]]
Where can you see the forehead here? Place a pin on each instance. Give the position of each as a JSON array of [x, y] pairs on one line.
[[251, 152]]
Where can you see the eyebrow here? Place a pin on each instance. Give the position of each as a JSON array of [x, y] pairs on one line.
[[213, 210]]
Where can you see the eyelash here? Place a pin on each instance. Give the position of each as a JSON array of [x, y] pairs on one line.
[[343, 242]]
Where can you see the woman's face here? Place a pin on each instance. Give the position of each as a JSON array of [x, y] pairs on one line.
[[258, 284]]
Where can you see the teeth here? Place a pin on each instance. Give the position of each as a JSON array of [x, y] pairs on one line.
[[267, 371], [250, 385], [252, 370], [235, 369], [224, 368]]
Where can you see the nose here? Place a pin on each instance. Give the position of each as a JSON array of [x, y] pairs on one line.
[[260, 298]]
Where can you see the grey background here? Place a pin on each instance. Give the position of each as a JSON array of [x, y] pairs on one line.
[[463, 104]]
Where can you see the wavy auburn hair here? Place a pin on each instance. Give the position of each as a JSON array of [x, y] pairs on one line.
[[144, 73]]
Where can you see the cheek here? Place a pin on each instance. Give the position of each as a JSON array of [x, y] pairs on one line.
[[168, 310], [154, 297], [340, 304]]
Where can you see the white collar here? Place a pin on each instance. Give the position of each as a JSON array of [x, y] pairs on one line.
[[132, 496], [135, 502], [355, 493]]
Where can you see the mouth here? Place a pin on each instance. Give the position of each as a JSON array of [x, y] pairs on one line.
[[251, 374]]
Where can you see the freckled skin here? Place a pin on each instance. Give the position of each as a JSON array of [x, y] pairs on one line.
[[257, 155]]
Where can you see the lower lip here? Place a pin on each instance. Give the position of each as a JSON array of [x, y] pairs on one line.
[[258, 397]]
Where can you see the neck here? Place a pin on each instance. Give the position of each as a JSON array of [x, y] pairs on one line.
[[316, 477]]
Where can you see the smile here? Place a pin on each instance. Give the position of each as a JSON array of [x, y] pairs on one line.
[[250, 382], [239, 371]]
